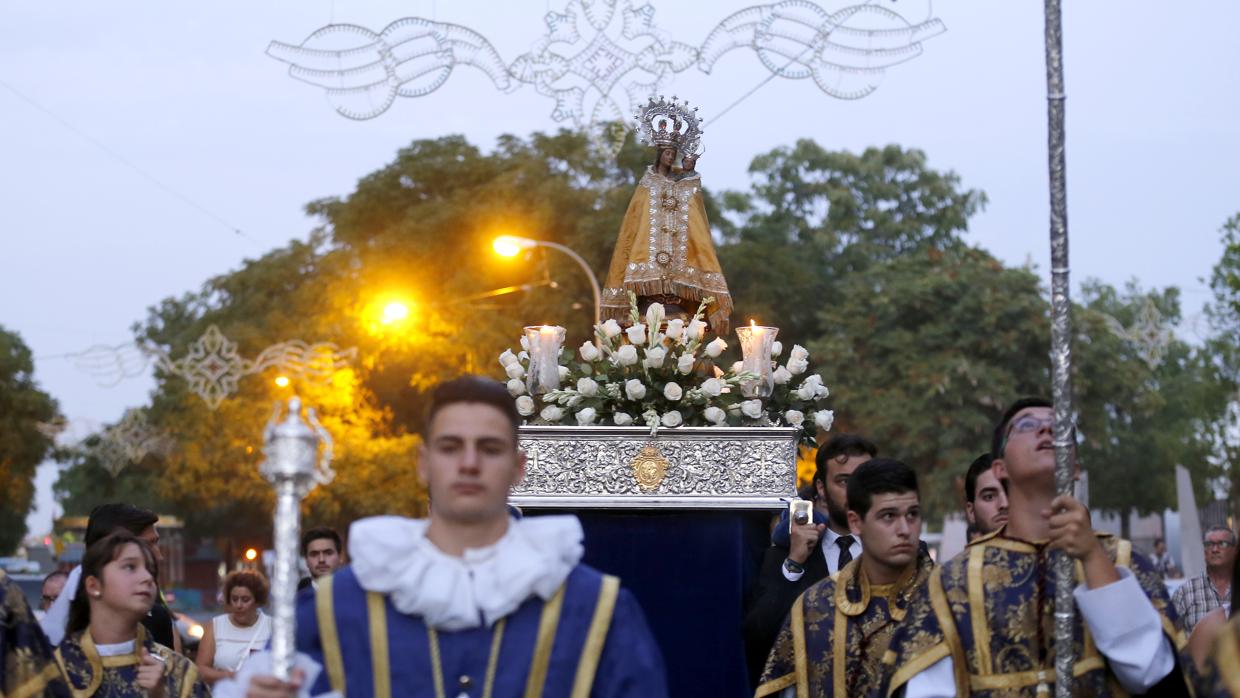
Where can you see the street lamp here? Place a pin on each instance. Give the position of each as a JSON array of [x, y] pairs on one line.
[[512, 245]]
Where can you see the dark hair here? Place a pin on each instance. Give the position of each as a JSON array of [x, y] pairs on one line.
[[106, 519], [471, 388], [999, 440], [319, 533], [250, 579], [1158, 540], [97, 556], [845, 445], [878, 476], [55, 574], [979, 465]]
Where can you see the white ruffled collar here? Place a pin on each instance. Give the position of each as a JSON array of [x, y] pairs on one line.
[[391, 555]]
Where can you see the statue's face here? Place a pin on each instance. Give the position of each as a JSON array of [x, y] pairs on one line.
[[667, 156], [689, 162]]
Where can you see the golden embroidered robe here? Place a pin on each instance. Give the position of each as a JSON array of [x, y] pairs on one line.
[[1221, 676], [991, 609], [89, 674], [27, 667], [833, 641], [665, 249]]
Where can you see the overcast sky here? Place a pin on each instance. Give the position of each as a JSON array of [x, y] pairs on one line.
[[186, 94]]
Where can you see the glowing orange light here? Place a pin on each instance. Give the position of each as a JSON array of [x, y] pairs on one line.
[[251, 554], [507, 246], [282, 381], [394, 312]]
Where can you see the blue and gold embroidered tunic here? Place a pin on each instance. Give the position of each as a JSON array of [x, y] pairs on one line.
[[589, 639], [1221, 676], [28, 667], [833, 641], [991, 611], [89, 674]]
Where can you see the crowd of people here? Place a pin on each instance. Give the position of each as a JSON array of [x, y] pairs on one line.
[[477, 601]]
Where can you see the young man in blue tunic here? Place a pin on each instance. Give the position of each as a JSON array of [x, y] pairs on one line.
[[832, 642], [983, 624], [472, 602]]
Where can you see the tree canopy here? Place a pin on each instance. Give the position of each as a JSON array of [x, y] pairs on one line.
[[27, 415]]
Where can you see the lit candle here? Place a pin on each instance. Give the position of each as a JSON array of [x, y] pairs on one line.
[[756, 345], [544, 342]]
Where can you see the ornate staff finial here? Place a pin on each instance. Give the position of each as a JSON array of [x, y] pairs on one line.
[[294, 467]]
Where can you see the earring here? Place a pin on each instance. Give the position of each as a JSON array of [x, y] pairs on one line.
[[98, 594]]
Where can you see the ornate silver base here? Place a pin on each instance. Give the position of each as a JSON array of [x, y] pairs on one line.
[[682, 468]]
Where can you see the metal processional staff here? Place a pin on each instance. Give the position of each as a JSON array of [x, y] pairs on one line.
[[1061, 340], [294, 467]]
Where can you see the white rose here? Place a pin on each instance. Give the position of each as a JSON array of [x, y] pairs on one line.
[[685, 363], [794, 417], [799, 353], [823, 419], [820, 390], [551, 413], [672, 419], [807, 390], [673, 392], [525, 405], [715, 348], [634, 389], [611, 328], [622, 419], [525, 343], [655, 357], [782, 376], [586, 416], [589, 352], [507, 358], [797, 367], [626, 355], [715, 416], [516, 387], [587, 387], [752, 408], [675, 328], [777, 348], [514, 371], [637, 334], [523, 355], [696, 329], [737, 367], [712, 387], [563, 372]]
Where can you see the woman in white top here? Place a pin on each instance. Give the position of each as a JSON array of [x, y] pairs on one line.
[[230, 639]]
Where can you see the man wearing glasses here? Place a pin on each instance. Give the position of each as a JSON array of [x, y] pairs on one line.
[[983, 623], [1203, 594]]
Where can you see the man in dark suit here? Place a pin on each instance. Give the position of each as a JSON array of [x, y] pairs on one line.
[[322, 551], [801, 554]]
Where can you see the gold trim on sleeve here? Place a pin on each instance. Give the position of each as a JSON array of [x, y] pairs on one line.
[[376, 616], [547, 624], [1020, 679], [977, 609], [597, 635], [943, 611], [839, 651], [797, 623], [329, 639], [34, 685], [775, 685]]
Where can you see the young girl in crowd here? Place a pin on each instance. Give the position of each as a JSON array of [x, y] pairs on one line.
[[106, 652]]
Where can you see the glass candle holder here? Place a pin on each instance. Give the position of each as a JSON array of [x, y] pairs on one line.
[[543, 375], [756, 345]]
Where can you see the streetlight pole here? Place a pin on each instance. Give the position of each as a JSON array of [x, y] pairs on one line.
[[508, 245]]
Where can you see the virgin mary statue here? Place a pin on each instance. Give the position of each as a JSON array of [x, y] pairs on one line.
[[665, 253]]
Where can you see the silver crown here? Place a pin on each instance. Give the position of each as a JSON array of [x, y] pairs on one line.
[[670, 124]]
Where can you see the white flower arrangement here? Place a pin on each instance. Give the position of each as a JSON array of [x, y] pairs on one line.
[[667, 374]]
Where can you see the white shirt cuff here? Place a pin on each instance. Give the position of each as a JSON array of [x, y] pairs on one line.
[[1127, 631], [789, 575], [935, 681]]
